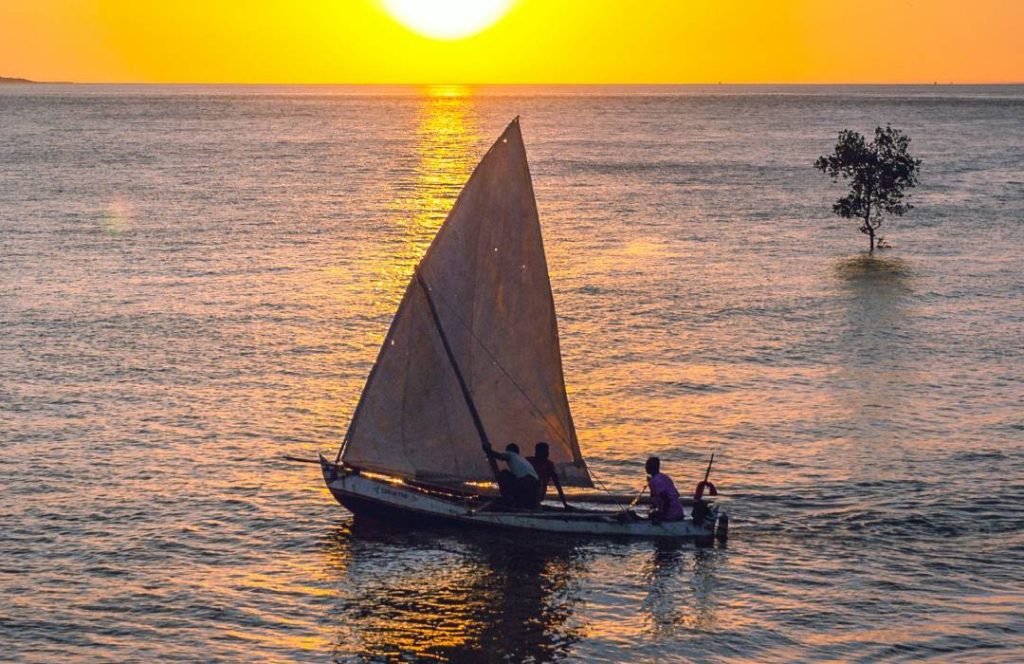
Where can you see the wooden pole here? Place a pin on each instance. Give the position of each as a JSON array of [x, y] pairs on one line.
[[477, 422]]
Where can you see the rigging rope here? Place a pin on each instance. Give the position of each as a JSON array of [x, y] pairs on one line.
[[536, 409]]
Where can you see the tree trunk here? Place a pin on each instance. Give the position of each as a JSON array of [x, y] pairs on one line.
[[871, 230], [867, 224]]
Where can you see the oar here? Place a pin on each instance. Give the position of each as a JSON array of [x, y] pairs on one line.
[[698, 493], [288, 457], [639, 495], [636, 498]]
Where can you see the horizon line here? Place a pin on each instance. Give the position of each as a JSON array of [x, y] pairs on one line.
[[16, 80]]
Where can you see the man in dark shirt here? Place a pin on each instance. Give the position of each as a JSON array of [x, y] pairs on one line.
[[546, 472]]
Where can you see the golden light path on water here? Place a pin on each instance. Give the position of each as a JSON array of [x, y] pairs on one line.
[[455, 608], [445, 141], [446, 136]]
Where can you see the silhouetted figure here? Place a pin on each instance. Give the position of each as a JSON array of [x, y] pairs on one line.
[[546, 472], [518, 483]]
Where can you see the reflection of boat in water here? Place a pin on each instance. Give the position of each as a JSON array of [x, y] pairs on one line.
[[454, 595], [472, 356]]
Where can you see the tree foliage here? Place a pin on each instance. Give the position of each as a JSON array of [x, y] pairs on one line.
[[879, 172]]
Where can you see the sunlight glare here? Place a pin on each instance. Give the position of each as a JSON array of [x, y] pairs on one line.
[[447, 19]]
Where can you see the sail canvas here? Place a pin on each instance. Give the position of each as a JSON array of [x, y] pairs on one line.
[[486, 275]]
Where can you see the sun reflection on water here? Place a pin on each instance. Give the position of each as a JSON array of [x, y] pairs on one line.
[[118, 218], [358, 290], [471, 597], [447, 135]]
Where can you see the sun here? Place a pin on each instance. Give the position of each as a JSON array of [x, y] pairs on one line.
[[447, 19]]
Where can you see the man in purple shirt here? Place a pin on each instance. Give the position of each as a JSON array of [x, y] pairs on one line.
[[664, 496]]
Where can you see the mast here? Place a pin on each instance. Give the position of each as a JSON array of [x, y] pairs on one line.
[[477, 422]]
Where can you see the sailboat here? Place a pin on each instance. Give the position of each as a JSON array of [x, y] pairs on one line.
[[472, 357]]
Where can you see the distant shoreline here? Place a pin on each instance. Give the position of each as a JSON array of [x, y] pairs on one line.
[[4, 80]]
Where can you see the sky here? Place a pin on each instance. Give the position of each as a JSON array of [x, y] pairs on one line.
[[536, 41]]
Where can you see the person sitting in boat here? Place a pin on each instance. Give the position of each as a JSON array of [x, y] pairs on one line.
[[546, 472], [518, 483], [664, 496]]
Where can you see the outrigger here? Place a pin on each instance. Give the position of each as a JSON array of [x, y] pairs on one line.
[[472, 355]]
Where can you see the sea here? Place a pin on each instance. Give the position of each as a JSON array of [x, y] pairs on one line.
[[194, 282]]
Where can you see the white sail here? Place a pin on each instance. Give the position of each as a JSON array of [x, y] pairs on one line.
[[488, 281]]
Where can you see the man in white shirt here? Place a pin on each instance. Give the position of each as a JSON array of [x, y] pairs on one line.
[[519, 484]]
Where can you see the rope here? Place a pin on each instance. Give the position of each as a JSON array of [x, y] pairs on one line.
[[601, 484], [536, 409]]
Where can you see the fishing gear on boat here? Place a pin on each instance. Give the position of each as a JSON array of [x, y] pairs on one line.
[[698, 492]]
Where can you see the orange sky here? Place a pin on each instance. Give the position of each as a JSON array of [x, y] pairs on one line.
[[538, 41]]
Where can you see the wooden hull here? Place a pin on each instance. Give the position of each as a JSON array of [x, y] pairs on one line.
[[395, 500]]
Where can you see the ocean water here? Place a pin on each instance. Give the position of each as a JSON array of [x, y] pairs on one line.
[[194, 281]]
